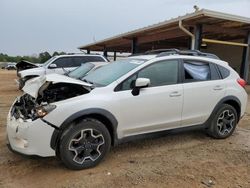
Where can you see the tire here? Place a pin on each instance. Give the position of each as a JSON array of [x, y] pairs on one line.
[[224, 122], [21, 84], [84, 144]]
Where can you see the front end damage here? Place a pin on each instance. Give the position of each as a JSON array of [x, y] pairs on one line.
[[24, 65], [27, 132]]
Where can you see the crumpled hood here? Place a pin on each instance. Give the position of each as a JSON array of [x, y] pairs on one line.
[[23, 65], [33, 86]]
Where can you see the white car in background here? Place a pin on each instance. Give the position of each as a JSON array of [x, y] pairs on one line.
[[74, 76], [58, 64], [10, 66], [84, 69], [136, 97]]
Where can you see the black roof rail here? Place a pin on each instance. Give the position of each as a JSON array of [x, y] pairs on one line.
[[158, 51], [188, 52], [170, 50], [173, 51]]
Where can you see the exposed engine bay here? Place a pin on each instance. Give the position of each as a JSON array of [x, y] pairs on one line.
[[28, 107], [59, 91]]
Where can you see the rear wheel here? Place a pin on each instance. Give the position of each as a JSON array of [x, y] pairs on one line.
[[85, 144], [224, 122]]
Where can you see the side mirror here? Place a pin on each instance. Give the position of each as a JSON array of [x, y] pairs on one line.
[[52, 66], [140, 83]]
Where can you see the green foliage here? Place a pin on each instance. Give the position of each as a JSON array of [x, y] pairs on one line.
[[44, 56]]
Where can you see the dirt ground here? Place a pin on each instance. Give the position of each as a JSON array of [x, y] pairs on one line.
[[188, 159]]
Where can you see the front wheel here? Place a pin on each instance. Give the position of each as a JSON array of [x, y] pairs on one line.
[[21, 84], [84, 144], [224, 122]]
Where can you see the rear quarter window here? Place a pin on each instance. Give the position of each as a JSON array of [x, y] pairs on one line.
[[78, 61], [223, 71], [63, 62]]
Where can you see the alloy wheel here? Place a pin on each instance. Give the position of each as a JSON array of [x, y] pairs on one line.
[[86, 145], [225, 122]]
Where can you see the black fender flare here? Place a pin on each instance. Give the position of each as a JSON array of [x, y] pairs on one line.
[[217, 106], [87, 112]]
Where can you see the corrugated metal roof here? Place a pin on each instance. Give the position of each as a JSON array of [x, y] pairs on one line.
[[194, 15]]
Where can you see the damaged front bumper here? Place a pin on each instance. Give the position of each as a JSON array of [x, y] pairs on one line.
[[29, 137]]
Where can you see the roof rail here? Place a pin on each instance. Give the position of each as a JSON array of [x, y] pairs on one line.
[[186, 52], [174, 51], [159, 51]]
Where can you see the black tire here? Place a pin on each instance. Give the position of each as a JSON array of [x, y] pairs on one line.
[[21, 84], [84, 144], [224, 122]]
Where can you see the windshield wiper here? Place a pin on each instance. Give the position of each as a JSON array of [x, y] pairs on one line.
[[87, 81], [65, 71]]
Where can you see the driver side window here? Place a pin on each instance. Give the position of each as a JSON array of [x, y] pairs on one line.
[[160, 73]]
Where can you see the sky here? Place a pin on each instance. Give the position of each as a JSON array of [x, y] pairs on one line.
[[28, 27]]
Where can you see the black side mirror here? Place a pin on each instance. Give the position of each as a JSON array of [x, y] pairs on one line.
[[138, 84]]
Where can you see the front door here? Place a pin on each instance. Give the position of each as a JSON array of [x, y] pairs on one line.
[[157, 107]]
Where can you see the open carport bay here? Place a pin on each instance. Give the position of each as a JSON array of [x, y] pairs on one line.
[[188, 159]]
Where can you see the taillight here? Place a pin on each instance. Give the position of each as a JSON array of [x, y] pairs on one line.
[[241, 82]]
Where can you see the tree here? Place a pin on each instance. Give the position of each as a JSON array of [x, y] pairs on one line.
[[44, 56]]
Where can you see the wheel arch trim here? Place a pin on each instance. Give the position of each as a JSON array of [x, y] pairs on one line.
[[86, 112], [217, 106]]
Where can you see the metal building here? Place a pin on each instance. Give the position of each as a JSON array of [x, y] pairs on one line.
[[226, 35]]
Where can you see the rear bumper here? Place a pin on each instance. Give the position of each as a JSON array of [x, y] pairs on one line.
[[30, 137]]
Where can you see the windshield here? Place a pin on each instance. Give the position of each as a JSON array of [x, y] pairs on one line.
[[111, 72], [81, 71], [48, 61]]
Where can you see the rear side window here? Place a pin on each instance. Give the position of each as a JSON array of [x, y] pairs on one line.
[[196, 71], [63, 62], [223, 71], [78, 61], [95, 59]]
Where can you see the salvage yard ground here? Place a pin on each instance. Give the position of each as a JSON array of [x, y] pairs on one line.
[[188, 159]]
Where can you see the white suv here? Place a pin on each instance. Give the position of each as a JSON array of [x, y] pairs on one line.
[[79, 121], [58, 64]]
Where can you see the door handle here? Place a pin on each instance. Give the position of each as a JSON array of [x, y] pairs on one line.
[[218, 87], [175, 94]]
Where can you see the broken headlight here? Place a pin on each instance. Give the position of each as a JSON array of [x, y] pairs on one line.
[[42, 111]]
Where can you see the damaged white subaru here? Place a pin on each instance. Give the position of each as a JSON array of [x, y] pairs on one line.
[[140, 96]]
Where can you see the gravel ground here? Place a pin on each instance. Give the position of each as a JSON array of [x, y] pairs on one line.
[[187, 159]]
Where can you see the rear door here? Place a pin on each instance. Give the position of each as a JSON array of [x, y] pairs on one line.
[[203, 88]]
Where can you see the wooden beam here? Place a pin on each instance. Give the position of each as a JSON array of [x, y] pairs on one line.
[[244, 69], [221, 30], [105, 52], [198, 37], [160, 36], [114, 55], [134, 45]]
